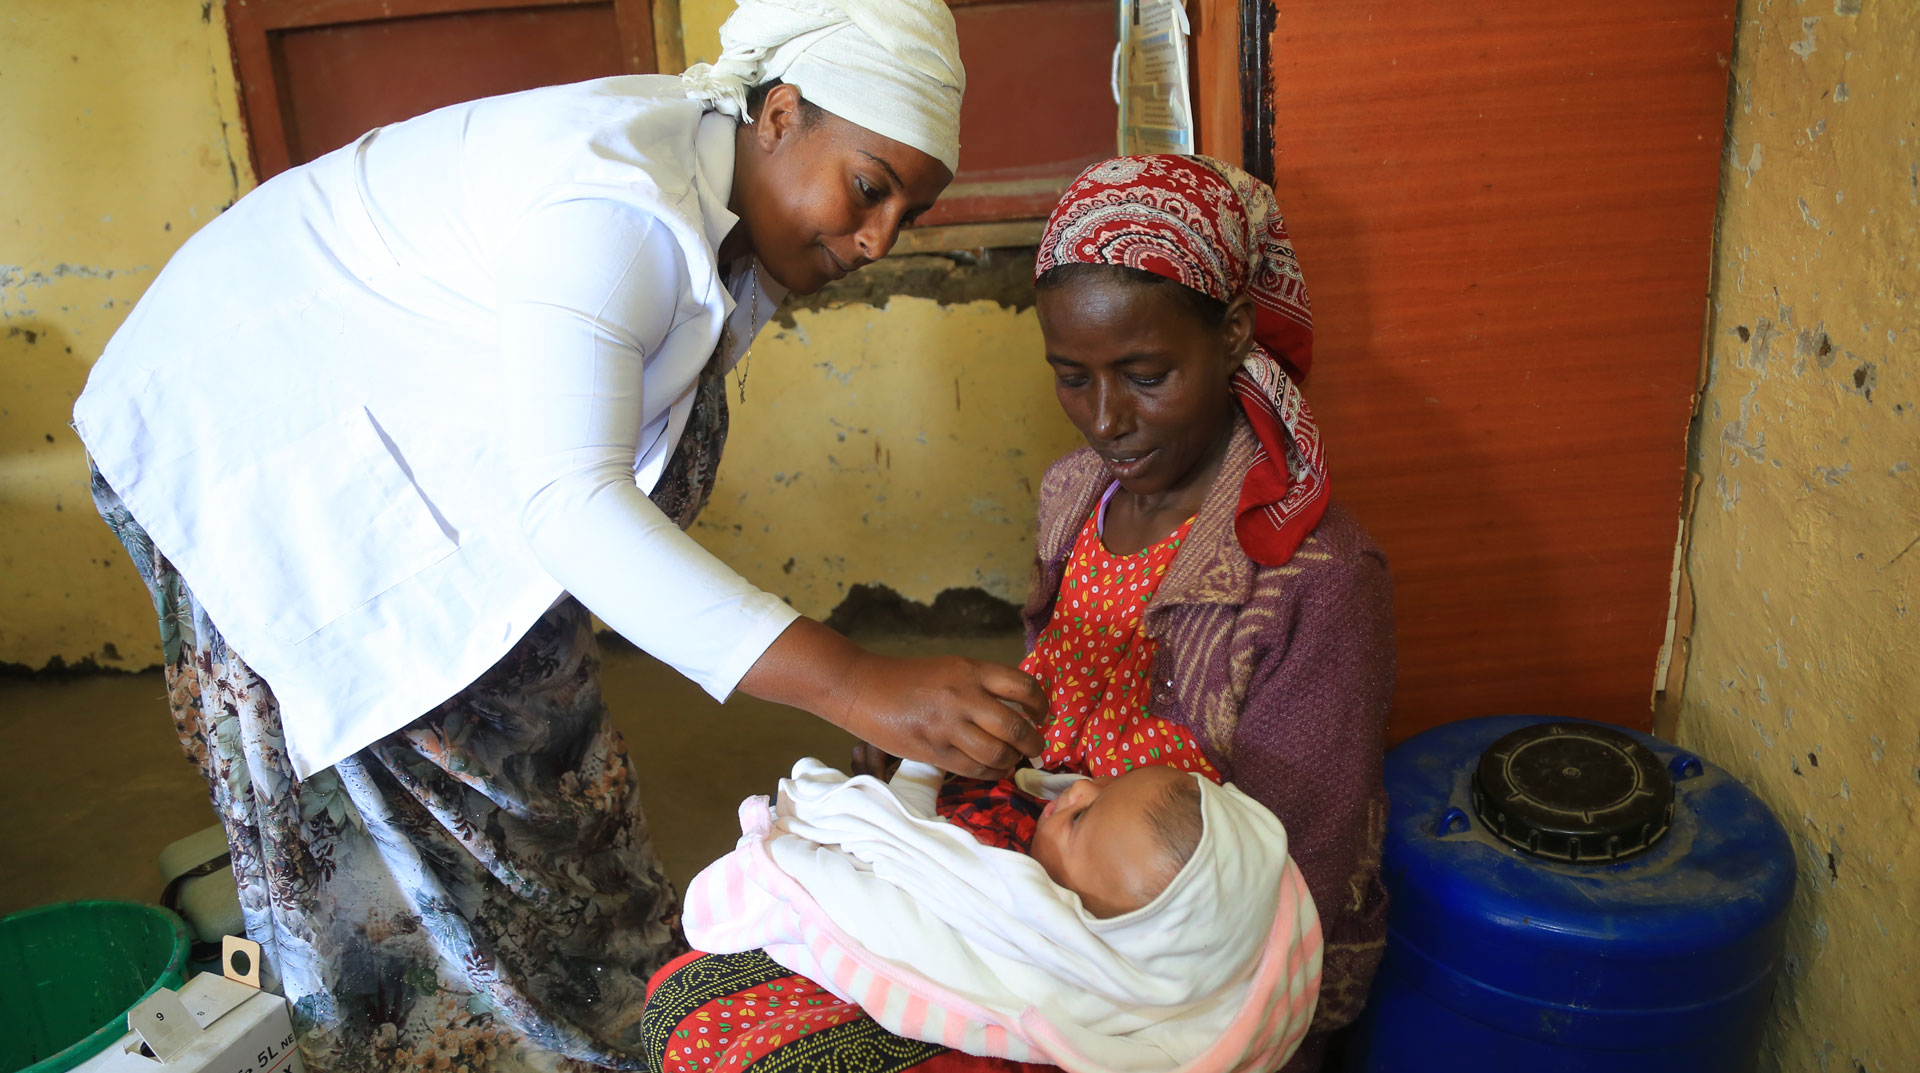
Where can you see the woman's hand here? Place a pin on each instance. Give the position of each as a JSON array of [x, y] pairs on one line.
[[962, 715], [968, 717]]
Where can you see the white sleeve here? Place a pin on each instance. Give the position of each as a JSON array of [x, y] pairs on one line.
[[589, 290]]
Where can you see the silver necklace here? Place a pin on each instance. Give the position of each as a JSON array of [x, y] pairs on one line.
[[753, 317]]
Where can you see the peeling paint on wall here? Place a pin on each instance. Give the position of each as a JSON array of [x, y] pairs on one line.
[[899, 447], [1804, 669], [1004, 277]]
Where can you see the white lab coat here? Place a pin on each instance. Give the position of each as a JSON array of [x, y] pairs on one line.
[[393, 403]]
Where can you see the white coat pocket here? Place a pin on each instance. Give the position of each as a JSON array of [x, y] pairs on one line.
[[349, 525]]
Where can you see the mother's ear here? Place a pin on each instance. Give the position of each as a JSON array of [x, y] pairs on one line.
[[1236, 329]]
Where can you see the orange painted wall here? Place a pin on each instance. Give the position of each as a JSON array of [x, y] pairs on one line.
[[1505, 214]]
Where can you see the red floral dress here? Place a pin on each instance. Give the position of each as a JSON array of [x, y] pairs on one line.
[[1096, 664], [734, 1012]]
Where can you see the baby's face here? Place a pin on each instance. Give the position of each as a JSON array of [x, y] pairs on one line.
[[1098, 840]]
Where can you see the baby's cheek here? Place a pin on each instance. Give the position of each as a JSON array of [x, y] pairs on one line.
[[1046, 852]]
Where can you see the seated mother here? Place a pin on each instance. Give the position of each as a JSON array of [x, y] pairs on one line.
[[1198, 599]]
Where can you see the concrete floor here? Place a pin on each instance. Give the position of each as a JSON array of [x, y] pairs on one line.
[[95, 783]]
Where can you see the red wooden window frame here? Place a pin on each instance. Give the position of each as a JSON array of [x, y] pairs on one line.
[[1026, 193], [253, 26]]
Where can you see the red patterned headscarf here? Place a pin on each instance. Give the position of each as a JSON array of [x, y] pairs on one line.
[[1212, 227]]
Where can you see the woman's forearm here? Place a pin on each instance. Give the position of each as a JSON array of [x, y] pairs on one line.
[[808, 667], [961, 715]]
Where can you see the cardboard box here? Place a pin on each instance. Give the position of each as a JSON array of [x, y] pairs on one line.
[[213, 1024]]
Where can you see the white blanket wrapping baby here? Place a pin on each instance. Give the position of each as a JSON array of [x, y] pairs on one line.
[[859, 886]]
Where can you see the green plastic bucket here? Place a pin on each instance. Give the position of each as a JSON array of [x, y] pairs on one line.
[[70, 972]]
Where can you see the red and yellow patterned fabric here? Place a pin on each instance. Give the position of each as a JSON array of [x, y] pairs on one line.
[[1096, 664]]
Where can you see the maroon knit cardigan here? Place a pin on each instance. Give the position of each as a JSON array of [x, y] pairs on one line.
[[1284, 675]]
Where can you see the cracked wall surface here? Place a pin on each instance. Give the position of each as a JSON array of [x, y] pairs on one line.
[[1804, 671], [120, 127]]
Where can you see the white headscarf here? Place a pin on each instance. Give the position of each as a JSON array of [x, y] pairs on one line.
[[891, 66]]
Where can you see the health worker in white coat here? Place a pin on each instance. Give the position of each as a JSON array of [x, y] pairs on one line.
[[382, 435]]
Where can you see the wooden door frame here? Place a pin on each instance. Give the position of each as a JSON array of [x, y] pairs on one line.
[[1257, 21], [252, 24], [1233, 81]]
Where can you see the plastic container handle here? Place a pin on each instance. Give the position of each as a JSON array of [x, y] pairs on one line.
[[1685, 766], [1454, 821]]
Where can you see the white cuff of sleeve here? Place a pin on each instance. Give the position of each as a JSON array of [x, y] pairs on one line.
[[766, 617]]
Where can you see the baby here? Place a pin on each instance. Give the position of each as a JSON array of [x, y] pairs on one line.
[[1117, 842], [1153, 922]]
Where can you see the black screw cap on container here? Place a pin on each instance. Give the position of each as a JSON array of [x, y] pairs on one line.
[[1573, 792]]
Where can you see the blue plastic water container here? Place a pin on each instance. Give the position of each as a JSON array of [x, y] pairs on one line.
[[1570, 897]]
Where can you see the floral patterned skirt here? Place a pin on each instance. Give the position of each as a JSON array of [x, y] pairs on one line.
[[475, 891]]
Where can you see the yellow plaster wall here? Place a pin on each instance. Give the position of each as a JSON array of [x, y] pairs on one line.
[[899, 447], [1804, 555], [116, 127], [700, 20]]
